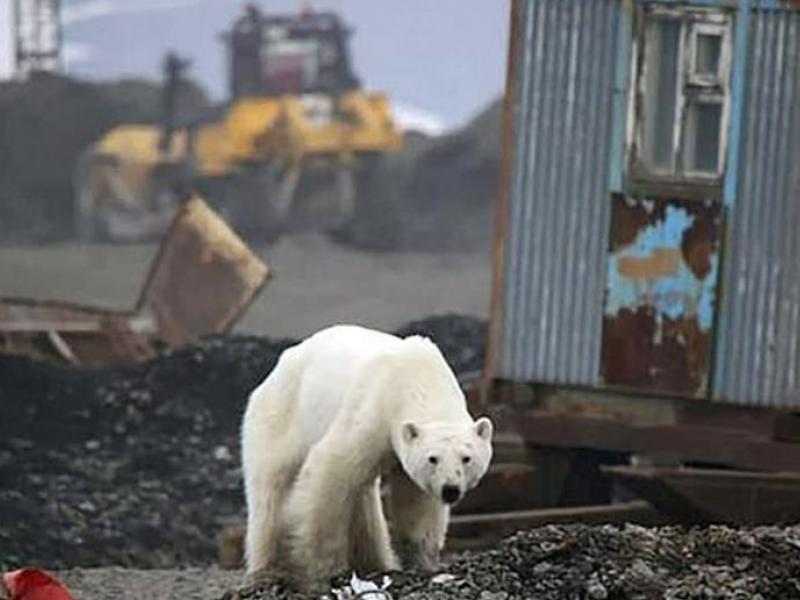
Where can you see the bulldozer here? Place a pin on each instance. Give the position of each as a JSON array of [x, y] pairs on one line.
[[284, 154]]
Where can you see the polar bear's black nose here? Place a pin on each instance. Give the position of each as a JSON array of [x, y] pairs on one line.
[[450, 493]]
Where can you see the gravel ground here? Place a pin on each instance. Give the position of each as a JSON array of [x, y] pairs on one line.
[[138, 466], [115, 583], [574, 562]]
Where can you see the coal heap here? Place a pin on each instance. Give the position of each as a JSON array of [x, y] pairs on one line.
[[437, 194], [579, 562], [138, 465]]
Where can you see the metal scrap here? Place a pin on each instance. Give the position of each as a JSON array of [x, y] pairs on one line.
[[201, 281]]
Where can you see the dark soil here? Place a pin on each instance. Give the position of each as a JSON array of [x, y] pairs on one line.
[[579, 562], [138, 466]]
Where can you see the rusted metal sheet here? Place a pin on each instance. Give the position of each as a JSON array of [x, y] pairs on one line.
[[550, 303], [704, 495], [660, 295], [202, 279], [758, 343]]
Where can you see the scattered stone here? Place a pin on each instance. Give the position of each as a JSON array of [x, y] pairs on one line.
[[597, 563]]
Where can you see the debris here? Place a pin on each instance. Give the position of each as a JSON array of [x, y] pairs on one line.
[[32, 584], [201, 281], [222, 453], [600, 562], [363, 589]]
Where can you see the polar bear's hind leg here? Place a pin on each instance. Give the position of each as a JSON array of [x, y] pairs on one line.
[[271, 459], [371, 549]]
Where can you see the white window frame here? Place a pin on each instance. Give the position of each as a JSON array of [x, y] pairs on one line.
[[723, 72], [690, 86]]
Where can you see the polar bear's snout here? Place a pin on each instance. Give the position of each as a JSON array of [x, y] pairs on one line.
[[450, 493]]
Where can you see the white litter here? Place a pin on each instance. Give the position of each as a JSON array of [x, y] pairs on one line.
[[363, 589]]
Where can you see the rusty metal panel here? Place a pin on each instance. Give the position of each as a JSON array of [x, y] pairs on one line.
[[660, 295], [203, 277], [758, 357], [552, 295]]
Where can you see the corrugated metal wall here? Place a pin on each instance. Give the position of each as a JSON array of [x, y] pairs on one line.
[[758, 359], [559, 199]]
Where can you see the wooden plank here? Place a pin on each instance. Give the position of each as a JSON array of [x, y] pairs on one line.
[[725, 447], [494, 526]]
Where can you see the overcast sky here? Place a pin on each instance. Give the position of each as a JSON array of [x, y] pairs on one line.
[[442, 56]]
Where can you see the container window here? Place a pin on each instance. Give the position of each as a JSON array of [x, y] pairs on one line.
[[662, 81], [703, 133], [706, 63], [681, 99]]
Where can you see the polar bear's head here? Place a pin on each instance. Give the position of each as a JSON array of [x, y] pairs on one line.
[[447, 460]]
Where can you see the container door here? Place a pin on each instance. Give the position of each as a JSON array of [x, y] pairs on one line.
[[658, 321]]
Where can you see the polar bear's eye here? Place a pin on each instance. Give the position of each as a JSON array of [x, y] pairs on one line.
[[433, 459], [466, 459]]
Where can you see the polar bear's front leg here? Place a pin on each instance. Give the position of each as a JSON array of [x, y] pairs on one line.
[[418, 523], [320, 508]]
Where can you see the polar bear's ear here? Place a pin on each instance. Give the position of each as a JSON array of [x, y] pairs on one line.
[[484, 428], [410, 432]]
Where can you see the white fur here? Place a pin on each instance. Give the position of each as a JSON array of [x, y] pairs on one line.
[[340, 410]]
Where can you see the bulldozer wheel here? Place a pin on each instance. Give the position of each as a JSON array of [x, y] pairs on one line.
[[325, 198], [243, 199], [363, 173], [101, 216]]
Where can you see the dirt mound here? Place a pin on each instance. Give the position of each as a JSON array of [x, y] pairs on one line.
[[45, 123], [435, 195], [462, 339], [598, 563], [139, 466]]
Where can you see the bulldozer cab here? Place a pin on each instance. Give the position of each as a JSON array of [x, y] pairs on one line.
[[298, 54]]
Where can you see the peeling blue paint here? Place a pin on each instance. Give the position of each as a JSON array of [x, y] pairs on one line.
[[674, 295]]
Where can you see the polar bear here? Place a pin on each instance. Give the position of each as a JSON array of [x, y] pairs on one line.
[[341, 411]]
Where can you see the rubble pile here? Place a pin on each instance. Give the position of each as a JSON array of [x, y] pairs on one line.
[[138, 465], [604, 563]]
